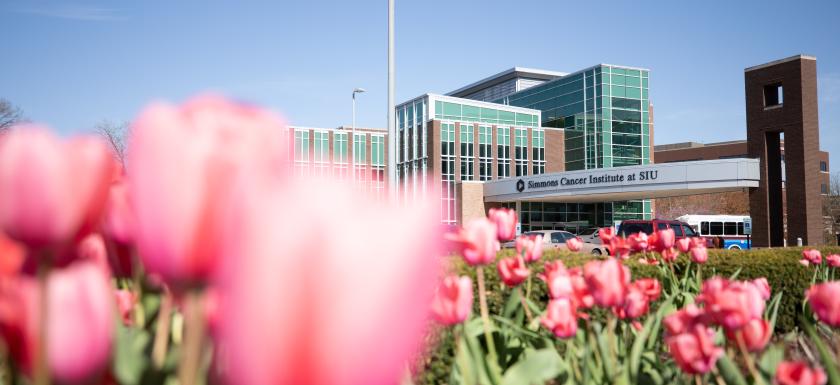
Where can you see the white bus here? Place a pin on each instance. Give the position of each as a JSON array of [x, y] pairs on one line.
[[728, 227]]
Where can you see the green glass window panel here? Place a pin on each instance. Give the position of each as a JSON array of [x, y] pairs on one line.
[[451, 110], [634, 73], [645, 93], [627, 115], [523, 119], [626, 127], [625, 139], [438, 108], [633, 92], [633, 81], [400, 117], [472, 112], [644, 116], [618, 91], [410, 113], [507, 117], [605, 71], [466, 134], [645, 82], [619, 71], [489, 115], [618, 80]]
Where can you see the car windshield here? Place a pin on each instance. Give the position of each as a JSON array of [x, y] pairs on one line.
[[588, 232]]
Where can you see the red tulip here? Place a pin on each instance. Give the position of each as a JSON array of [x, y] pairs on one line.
[[635, 303], [649, 286], [353, 271], [638, 241], [126, 299], [606, 234], [513, 271], [799, 373], [186, 169], [824, 299], [607, 281], [812, 255], [574, 244], [583, 298], [453, 300], [505, 220], [669, 255], [11, 256], [833, 260], [479, 242], [80, 319], [756, 334], [731, 304], [529, 247], [683, 244], [694, 351], [561, 318], [50, 189], [666, 238], [619, 247], [683, 320], [557, 279]]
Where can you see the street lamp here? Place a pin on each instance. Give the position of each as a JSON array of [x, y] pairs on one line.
[[353, 135]]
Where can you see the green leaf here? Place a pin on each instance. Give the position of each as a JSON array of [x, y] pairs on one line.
[[770, 359], [729, 371], [606, 355], [537, 367], [636, 350], [513, 303], [773, 310], [828, 362], [129, 359], [735, 274]]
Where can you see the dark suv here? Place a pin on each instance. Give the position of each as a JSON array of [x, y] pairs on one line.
[[633, 226]]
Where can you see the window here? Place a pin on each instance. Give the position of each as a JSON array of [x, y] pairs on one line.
[[503, 151], [321, 153], [741, 228], [824, 189], [773, 95], [521, 151], [730, 228], [716, 228], [689, 232], [447, 172], [538, 150], [301, 152], [340, 154], [677, 230], [661, 226], [467, 152], [377, 165], [360, 157], [704, 228], [485, 155], [823, 166], [558, 237]]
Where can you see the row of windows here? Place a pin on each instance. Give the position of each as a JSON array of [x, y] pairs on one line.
[[465, 112], [722, 228], [321, 147]]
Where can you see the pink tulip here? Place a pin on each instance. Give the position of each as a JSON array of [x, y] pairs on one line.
[[505, 220], [669, 255], [824, 299], [833, 260], [799, 373], [756, 334], [606, 234], [804, 262], [638, 241], [529, 247], [666, 238], [119, 219], [513, 271], [561, 318], [558, 280], [619, 247], [574, 244], [12, 255], [649, 286], [683, 244], [763, 287], [731, 304], [683, 320], [186, 169], [126, 299], [453, 300], [635, 304], [583, 298], [80, 319], [812, 255], [353, 272], [699, 254], [607, 281], [653, 242], [694, 351], [50, 189], [478, 241]]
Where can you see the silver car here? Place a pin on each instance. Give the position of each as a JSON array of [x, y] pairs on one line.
[[556, 239]]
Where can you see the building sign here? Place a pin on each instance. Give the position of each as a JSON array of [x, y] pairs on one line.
[[592, 179], [747, 226]]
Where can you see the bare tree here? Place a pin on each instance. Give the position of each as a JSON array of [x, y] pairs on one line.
[[115, 134], [9, 115]]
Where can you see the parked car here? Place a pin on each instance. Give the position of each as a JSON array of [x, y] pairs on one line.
[[590, 235], [556, 239], [633, 226]]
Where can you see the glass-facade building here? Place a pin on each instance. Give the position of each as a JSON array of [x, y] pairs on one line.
[[605, 113]]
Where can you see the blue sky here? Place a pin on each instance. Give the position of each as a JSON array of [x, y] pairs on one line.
[[71, 64]]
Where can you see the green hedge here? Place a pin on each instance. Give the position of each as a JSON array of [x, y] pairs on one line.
[[780, 266]]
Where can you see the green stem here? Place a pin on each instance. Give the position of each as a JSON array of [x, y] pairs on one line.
[[759, 380], [525, 305], [164, 322], [485, 314]]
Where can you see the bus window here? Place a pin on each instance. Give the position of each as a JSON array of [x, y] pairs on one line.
[[716, 228], [741, 228], [689, 232], [704, 228], [677, 230], [729, 228]]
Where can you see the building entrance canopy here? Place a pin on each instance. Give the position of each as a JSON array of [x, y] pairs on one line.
[[628, 183]]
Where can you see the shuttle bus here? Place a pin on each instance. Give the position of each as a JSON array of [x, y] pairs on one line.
[[730, 228]]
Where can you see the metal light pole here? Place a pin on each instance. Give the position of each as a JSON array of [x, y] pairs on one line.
[[353, 134], [392, 132]]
